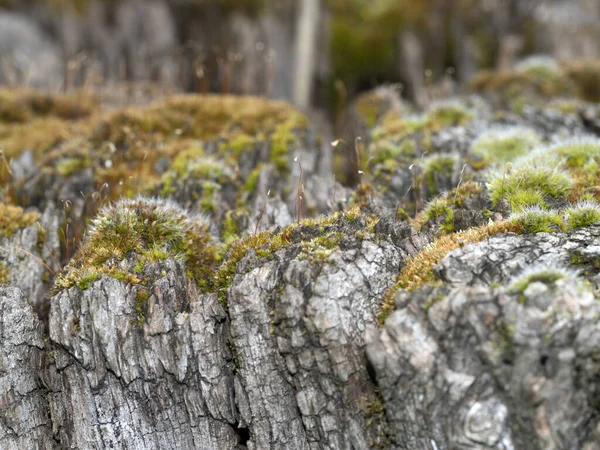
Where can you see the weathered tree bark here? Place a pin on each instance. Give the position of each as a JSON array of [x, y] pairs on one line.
[[156, 377], [494, 368], [24, 421]]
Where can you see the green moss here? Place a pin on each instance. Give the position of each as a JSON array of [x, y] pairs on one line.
[[393, 127], [20, 106], [252, 180], [281, 141], [504, 145], [239, 143], [583, 214], [319, 250], [66, 167], [86, 279], [181, 163], [438, 167], [439, 212], [527, 185], [138, 231], [207, 201], [446, 114], [268, 242], [229, 228], [578, 152], [386, 151], [537, 220], [419, 269]]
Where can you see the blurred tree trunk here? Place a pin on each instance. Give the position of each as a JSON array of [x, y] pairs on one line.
[[306, 40]]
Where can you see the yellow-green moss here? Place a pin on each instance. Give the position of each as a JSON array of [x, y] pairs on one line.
[[140, 230], [582, 214], [419, 270], [13, 218], [505, 144], [534, 219], [268, 242], [527, 185]]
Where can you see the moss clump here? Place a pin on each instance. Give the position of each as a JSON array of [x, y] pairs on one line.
[[528, 184], [419, 270], [505, 144], [537, 220], [446, 114], [252, 180], [439, 212], [281, 141], [578, 152], [134, 231], [66, 167], [541, 274], [437, 170], [394, 127], [321, 248], [239, 143], [386, 151], [582, 214], [13, 218], [540, 67]]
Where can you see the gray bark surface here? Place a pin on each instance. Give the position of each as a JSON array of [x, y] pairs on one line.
[[24, 421]]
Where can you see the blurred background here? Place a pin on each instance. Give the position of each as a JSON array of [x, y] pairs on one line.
[[317, 54]]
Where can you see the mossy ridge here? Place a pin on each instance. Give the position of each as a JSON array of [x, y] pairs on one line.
[[419, 269], [13, 218], [132, 232], [204, 117], [322, 234], [124, 146]]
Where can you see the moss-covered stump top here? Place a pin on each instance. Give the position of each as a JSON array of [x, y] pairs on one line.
[[130, 233]]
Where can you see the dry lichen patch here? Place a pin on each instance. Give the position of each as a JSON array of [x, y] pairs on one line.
[[419, 270]]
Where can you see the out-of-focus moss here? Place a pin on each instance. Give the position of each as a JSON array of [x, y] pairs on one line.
[[13, 218]]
